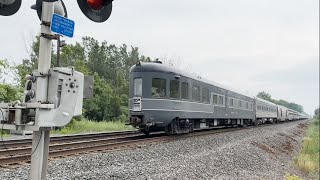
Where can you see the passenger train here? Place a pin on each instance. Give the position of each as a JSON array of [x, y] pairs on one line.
[[162, 98]]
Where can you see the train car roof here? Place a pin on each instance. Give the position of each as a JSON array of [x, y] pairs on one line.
[[159, 67], [265, 101]]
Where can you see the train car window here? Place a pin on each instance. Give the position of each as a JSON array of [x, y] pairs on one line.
[[195, 93], [214, 99], [184, 90], [174, 89], [221, 100], [205, 95], [231, 102], [251, 106], [137, 87], [259, 107], [247, 105], [158, 87], [240, 103]]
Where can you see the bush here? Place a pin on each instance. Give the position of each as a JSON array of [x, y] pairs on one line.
[[87, 126], [308, 159]]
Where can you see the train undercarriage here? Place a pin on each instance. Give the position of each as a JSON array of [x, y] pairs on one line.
[[181, 126]]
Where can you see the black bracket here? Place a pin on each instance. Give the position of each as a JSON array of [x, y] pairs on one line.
[[49, 36], [45, 23]]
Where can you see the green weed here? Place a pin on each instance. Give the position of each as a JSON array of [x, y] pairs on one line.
[[308, 159], [87, 126], [291, 177]]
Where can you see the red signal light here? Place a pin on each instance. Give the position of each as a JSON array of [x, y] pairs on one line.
[[96, 10], [95, 4]]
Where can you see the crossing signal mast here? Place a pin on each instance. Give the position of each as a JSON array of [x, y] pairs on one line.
[[52, 95]]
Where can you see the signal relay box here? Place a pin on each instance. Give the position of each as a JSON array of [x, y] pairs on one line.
[[64, 100]]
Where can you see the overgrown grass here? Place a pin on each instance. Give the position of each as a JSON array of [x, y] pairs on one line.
[[5, 133], [291, 177], [87, 126], [308, 159]]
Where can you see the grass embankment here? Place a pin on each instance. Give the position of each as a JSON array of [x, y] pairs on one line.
[[87, 126], [4, 133], [308, 159]]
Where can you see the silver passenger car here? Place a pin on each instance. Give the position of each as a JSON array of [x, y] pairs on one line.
[[266, 111], [282, 114]]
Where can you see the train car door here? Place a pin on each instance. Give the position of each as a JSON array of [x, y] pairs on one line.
[[137, 94]]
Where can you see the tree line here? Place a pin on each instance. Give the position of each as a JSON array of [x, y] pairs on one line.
[[291, 105], [108, 63]]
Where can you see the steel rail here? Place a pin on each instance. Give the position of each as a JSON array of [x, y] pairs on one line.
[[61, 150], [73, 145], [57, 139], [76, 148]]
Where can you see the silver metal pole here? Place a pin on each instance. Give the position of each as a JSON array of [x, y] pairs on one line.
[[58, 51], [41, 139]]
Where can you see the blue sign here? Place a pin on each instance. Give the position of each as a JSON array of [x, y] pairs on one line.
[[62, 25]]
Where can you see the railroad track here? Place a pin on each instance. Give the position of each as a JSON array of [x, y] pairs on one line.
[[66, 138], [19, 151]]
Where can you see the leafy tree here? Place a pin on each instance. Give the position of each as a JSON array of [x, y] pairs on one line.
[[3, 66], [107, 63], [30, 64], [8, 92], [264, 95], [317, 113]]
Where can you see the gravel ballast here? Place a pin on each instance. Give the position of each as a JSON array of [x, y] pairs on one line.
[[254, 153]]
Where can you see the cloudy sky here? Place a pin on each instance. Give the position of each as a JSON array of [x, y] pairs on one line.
[[270, 45]]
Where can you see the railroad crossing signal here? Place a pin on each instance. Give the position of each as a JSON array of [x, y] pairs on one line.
[[9, 7], [59, 8], [96, 10]]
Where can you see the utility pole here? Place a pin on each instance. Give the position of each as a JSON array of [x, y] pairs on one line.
[[58, 51], [41, 139]]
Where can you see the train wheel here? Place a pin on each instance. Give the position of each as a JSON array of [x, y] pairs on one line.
[[244, 123], [170, 129], [145, 132], [167, 130]]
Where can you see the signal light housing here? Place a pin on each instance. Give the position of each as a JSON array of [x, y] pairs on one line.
[[59, 8], [96, 10], [9, 7]]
